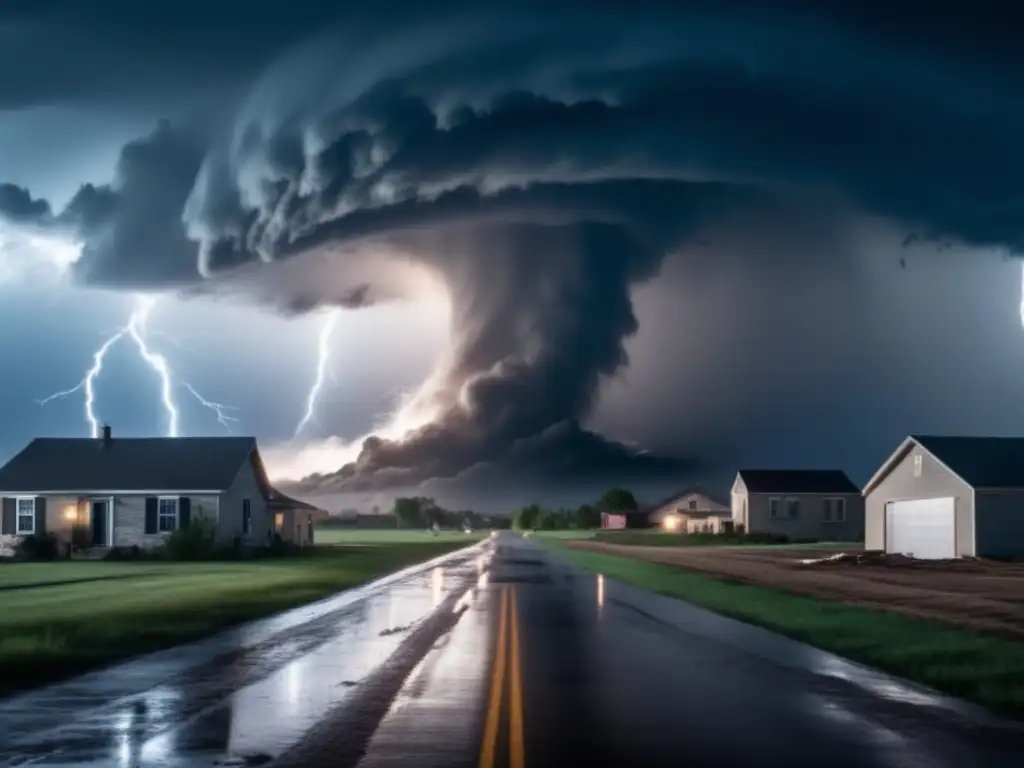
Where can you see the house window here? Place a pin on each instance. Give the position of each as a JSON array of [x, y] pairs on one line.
[[279, 520], [783, 509], [26, 516], [792, 509], [693, 503], [835, 510], [246, 517], [917, 465], [167, 514]]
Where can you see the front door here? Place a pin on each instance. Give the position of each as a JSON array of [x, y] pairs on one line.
[[99, 523]]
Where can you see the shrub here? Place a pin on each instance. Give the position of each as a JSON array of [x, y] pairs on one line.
[[278, 547], [134, 552], [80, 537], [39, 547], [196, 541]]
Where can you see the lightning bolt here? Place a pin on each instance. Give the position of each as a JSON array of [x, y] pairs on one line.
[[135, 329], [87, 382], [218, 408], [1022, 293], [323, 357]]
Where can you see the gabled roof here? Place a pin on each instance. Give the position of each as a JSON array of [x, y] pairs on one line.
[[797, 481], [981, 462], [126, 464], [680, 495], [278, 500]]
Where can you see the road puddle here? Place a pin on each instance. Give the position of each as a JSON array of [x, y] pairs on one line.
[[241, 707]]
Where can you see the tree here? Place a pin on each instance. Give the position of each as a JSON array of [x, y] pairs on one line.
[[618, 500], [587, 517], [545, 521], [526, 518], [409, 512]]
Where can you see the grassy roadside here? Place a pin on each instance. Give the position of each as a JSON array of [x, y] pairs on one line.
[[563, 535], [391, 536], [984, 669], [106, 612], [657, 538]]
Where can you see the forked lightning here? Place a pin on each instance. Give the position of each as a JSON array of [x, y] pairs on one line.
[[135, 329]]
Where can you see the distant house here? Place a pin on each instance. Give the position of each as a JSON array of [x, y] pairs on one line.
[[808, 504], [944, 497], [617, 521], [108, 492], [693, 510]]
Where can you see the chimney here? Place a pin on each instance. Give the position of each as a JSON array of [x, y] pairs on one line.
[[106, 434]]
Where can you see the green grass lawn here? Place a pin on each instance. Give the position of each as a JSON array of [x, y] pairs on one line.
[[658, 538], [104, 612], [564, 535], [394, 536], [982, 668]]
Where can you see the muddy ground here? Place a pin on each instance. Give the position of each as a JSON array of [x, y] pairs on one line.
[[979, 594]]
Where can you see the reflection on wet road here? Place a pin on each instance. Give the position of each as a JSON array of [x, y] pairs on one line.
[[244, 696], [499, 656]]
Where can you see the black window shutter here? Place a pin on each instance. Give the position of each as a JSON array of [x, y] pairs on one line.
[[184, 511], [151, 514], [9, 517], [40, 515]]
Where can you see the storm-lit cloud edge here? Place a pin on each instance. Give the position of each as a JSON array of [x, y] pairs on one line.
[[548, 135]]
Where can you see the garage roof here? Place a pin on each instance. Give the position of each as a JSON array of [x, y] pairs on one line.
[[981, 462]]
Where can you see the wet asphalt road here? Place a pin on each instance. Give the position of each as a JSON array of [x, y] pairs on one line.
[[497, 656]]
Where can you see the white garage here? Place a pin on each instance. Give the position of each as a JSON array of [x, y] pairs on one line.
[[938, 497], [921, 528]]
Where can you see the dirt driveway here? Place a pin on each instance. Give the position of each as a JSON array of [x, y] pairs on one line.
[[972, 593]]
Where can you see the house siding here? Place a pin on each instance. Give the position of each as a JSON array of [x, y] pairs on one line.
[[740, 503], [999, 531], [55, 523], [130, 520], [810, 523], [295, 526], [681, 506], [707, 524], [935, 482], [229, 525]]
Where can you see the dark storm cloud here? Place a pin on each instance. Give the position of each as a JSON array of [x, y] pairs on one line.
[[543, 168], [131, 230], [562, 451], [18, 205]]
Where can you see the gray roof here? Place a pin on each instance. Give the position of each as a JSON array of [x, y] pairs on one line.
[[797, 481], [279, 500], [696, 489], [981, 462], [127, 464]]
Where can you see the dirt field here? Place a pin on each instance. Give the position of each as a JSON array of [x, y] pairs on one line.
[[970, 593]]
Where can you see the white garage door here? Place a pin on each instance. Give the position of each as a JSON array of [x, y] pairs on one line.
[[922, 528]]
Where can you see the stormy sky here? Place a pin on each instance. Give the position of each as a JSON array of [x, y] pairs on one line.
[[543, 248]]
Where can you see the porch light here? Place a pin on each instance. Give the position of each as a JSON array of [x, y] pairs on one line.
[[671, 523], [71, 513]]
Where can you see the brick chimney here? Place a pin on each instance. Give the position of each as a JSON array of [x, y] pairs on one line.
[[106, 434]]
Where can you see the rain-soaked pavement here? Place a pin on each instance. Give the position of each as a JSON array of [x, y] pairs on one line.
[[499, 655]]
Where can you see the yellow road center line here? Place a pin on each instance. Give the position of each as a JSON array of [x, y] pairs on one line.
[[515, 715], [491, 725]]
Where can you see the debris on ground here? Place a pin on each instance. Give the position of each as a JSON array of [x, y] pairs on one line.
[[985, 595], [878, 557]]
